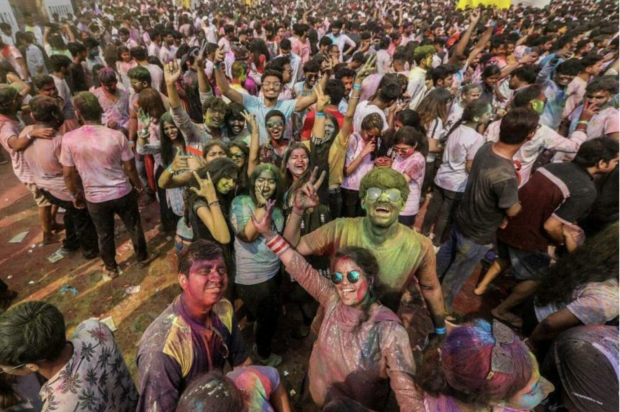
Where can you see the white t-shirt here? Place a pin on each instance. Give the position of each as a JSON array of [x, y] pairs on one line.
[[356, 145], [462, 145], [414, 166]]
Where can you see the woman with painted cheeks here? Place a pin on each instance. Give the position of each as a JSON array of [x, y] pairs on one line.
[[481, 367], [272, 151], [207, 201], [297, 174], [361, 344], [409, 152], [359, 161], [246, 158], [257, 277]]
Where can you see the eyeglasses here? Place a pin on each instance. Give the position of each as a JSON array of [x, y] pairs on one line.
[[374, 193], [401, 150], [337, 277], [311, 76], [272, 84], [12, 369], [237, 156], [277, 123]]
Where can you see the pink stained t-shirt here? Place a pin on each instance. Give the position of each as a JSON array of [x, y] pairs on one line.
[[98, 153], [8, 128], [414, 166], [42, 158]]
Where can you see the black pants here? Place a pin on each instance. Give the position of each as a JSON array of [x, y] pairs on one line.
[[352, 204], [335, 203], [103, 213], [79, 227], [439, 212], [429, 175], [262, 303], [168, 218]]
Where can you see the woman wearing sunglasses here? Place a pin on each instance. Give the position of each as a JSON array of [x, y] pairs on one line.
[[361, 344], [272, 151]]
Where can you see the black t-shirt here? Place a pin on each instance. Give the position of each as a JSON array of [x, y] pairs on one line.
[[492, 187]]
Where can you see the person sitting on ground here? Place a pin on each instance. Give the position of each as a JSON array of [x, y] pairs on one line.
[[197, 333], [85, 373]]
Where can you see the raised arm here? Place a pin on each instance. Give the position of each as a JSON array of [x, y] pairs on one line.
[[222, 81], [172, 73], [304, 101], [462, 44], [203, 84], [305, 198], [212, 215], [480, 46], [309, 278], [253, 159]]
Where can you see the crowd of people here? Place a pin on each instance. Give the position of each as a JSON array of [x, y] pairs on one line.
[[360, 160]]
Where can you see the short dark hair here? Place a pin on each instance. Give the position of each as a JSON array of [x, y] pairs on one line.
[[214, 103], [440, 73], [344, 72], [607, 83], [88, 106], [272, 73], [525, 73], [517, 125], [138, 53], [75, 48], [41, 80], [590, 60], [200, 250], [311, 66], [46, 109], [31, 332], [524, 96], [390, 91], [59, 62], [325, 41], [570, 67], [285, 44], [593, 151], [335, 90], [140, 73]]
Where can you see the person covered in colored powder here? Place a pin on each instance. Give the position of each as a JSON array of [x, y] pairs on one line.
[[406, 257], [361, 342]]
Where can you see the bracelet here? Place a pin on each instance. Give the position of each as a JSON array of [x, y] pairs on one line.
[[357, 86], [354, 97], [320, 114], [216, 203], [583, 122], [260, 206], [28, 136], [278, 245], [169, 168], [440, 331], [217, 65]]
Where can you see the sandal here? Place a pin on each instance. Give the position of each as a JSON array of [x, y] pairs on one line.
[[509, 318]]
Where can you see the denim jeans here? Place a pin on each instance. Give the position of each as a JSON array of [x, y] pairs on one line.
[[79, 227], [456, 261], [103, 213], [439, 212], [168, 218]]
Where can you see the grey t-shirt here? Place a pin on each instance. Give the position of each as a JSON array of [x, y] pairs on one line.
[[492, 187]]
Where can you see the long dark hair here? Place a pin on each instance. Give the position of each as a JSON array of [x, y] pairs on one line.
[[434, 105], [218, 169], [151, 103], [473, 109], [289, 181], [277, 175], [595, 261], [243, 173], [367, 261], [167, 147]]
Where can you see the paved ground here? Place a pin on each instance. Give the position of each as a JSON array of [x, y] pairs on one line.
[[76, 287]]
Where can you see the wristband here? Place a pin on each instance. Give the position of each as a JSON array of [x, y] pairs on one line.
[[440, 331], [169, 168], [218, 65], [357, 86], [320, 114], [278, 245], [28, 136], [216, 203], [583, 122]]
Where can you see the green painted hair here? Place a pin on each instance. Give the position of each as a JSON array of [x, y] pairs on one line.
[[384, 178]]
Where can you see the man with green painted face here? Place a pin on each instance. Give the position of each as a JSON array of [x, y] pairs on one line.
[[406, 258]]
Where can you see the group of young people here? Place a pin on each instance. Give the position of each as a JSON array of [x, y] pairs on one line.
[[358, 160]]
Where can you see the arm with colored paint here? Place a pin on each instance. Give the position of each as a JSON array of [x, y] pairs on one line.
[[253, 158], [211, 215], [178, 173], [309, 278], [305, 198], [552, 326]]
